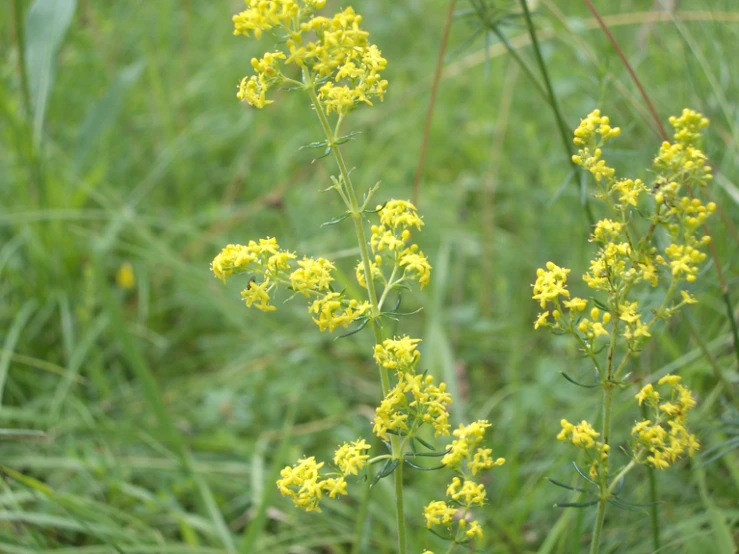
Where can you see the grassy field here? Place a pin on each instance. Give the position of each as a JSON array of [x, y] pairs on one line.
[[154, 418]]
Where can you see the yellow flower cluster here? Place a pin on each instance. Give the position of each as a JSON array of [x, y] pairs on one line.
[[312, 278], [549, 286], [624, 260], [467, 457], [334, 310], [664, 438], [341, 58], [413, 401], [390, 242], [584, 436], [263, 258], [592, 133], [683, 161], [398, 354], [305, 485]]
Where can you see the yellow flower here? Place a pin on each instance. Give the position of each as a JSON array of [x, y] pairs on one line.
[[541, 320], [582, 435], [416, 264], [262, 15], [648, 394], [467, 493], [462, 449], [550, 284], [301, 483], [312, 275], [334, 487], [125, 277], [333, 311], [629, 190], [350, 457], [664, 438], [257, 295], [688, 126], [427, 404], [359, 272], [474, 531], [669, 379], [438, 513], [576, 304], [398, 354], [400, 214]]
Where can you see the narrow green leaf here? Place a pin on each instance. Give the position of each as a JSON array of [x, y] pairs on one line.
[[46, 24]]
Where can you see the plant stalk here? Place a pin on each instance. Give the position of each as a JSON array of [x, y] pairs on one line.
[[357, 218], [561, 125]]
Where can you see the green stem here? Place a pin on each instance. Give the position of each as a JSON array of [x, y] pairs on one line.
[[561, 125], [654, 508], [21, 46], [621, 474], [357, 218], [399, 508], [605, 491]]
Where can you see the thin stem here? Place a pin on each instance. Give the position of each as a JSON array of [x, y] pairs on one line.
[[522, 64], [654, 508], [563, 131], [631, 465], [432, 101], [601, 515], [561, 125], [357, 217], [627, 65], [21, 46], [605, 490], [399, 508]]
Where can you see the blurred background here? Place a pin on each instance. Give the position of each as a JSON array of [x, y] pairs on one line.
[[145, 409]]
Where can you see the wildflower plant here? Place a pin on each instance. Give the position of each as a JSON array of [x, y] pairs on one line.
[[332, 61], [649, 250]]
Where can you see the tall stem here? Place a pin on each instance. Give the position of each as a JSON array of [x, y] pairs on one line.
[[564, 133], [604, 492], [356, 216]]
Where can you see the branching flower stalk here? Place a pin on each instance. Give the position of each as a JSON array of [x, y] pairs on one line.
[[649, 249], [338, 69]]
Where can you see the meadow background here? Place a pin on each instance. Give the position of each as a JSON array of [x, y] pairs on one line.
[[153, 419]]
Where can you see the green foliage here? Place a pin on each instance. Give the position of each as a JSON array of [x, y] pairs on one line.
[[152, 419]]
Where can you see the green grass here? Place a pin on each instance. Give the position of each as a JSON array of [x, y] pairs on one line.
[[166, 410]]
